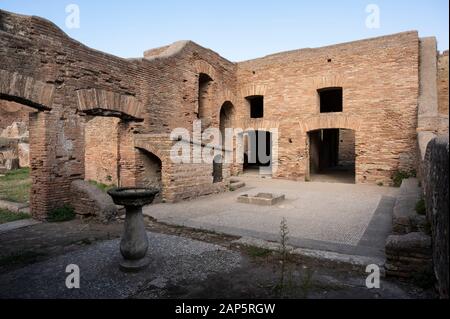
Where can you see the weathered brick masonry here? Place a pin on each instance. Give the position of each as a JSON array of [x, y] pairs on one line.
[[379, 78], [11, 112], [76, 90]]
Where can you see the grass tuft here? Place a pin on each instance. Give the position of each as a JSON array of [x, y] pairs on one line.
[[421, 208], [101, 186], [399, 176], [15, 186], [257, 251], [61, 214], [7, 216]]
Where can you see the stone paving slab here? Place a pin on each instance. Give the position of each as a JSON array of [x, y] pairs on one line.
[[17, 224], [14, 207], [174, 259]]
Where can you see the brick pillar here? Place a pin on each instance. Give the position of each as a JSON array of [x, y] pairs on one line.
[[41, 166], [128, 156]]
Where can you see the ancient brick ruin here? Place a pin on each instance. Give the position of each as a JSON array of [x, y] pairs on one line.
[[100, 117]]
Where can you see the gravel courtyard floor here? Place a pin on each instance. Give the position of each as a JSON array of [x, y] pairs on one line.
[[186, 263]]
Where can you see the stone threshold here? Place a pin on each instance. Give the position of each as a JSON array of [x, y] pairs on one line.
[[17, 225], [15, 207]]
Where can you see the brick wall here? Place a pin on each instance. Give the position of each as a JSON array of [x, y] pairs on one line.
[[346, 147], [11, 112], [379, 78], [101, 150], [443, 83]]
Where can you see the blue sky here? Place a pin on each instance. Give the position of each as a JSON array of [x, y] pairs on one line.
[[238, 30]]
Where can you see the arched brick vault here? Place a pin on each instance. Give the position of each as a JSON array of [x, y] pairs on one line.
[[204, 67], [26, 90], [107, 103], [141, 143], [153, 144], [228, 96]]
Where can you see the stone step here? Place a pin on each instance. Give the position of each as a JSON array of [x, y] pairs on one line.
[[17, 225], [405, 217], [236, 185], [14, 207]]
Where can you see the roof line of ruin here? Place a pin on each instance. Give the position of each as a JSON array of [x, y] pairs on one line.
[[177, 47]]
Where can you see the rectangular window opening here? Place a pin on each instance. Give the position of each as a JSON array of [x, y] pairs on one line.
[[331, 100], [256, 106]]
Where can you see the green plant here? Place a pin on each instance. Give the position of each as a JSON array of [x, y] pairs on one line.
[[421, 207], [6, 216], [254, 251], [380, 184], [15, 186], [399, 176], [427, 228], [62, 214], [424, 279], [283, 254], [101, 186]]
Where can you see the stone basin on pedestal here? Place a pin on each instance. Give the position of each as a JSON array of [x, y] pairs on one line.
[[134, 242]]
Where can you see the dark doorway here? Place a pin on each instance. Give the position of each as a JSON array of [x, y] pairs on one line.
[[226, 119], [258, 150], [331, 100], [332, 155], [217, 169], [151, 172], [204, 87]]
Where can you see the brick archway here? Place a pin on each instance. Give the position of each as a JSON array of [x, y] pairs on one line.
[[159, 145], [203, 67], [107, 103], [149, 147], [329, 122], [26, 90]]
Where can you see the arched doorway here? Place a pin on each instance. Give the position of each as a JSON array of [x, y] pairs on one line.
[[217, 169], [226, 119], [331, 155], [150, 172], [22, 151], [204, 96]]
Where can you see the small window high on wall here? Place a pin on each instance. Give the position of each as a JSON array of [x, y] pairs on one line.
[[331, 100], [256, 106], [204, 88]]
